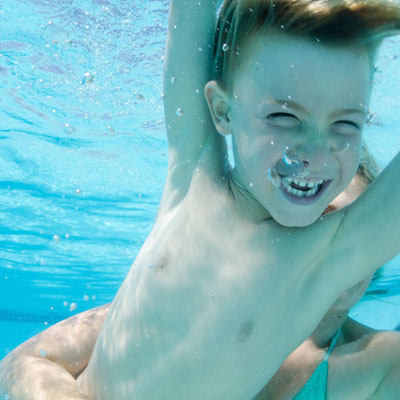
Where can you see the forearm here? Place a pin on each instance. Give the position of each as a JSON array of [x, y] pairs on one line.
[[49, 362], [33, 378]]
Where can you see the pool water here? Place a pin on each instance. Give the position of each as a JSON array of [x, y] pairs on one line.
[[83, 156]]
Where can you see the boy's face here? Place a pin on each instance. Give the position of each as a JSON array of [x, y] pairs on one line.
[[306, 97]]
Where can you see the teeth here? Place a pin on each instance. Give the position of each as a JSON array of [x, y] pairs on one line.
[[313, 186]]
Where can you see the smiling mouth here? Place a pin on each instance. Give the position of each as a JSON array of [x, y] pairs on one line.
[[303, 191]]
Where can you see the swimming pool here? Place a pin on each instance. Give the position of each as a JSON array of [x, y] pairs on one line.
[[84, 155]]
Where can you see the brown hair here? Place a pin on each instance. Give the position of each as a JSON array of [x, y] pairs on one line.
[[331, 22]]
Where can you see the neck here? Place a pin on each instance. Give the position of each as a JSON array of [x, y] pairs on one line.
[[246, 204]]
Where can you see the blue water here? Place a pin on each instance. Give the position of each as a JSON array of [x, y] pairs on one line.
[[83, 155]]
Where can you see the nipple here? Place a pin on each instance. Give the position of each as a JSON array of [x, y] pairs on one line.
[[289, 165]]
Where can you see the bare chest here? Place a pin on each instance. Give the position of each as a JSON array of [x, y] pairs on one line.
[[202, 310]]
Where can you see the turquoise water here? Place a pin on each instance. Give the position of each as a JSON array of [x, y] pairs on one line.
[[83, 155]]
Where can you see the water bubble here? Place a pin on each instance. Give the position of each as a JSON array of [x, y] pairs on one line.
[[373, 119], [290, 156], [73, 306], [291, 164], [225, 47], [173, 79], [69, 128], [56, 238], [43, 353], [65, 303], [251, 184], [272, 142], [292, 65], [179, 112], [282, 26], [88, 79], [273, 176], [85, 297]]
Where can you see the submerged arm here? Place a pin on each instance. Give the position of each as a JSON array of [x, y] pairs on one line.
[[45, 367], [369, 234], [187, 68]]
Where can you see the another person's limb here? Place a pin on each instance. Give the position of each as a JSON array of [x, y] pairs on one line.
[[366, 366], [46, 366]]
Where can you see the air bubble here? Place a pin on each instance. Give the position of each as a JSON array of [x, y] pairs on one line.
[[69, 128], [88, 79], [273, 176], [291, 164], [73, 306], [225, 47], [43, 353], [179, 112], [290, 156], [173, 80], [251, 184]]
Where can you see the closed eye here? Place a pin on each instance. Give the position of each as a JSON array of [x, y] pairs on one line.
[[346, 127], [284, 120]]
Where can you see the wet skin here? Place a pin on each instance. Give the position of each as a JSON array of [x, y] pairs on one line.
[[210, 308], [186, 325]]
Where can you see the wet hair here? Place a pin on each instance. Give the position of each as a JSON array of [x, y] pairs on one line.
[[330, 22], [368, 168]]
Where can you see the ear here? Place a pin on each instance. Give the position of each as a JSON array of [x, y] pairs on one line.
[[218, 103]]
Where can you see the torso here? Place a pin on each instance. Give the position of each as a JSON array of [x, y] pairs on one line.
[[205, 311]]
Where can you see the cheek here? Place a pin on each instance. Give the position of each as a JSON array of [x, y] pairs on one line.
[[351, 160]]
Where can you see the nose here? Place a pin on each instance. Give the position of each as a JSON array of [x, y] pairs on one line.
[[314, 155]]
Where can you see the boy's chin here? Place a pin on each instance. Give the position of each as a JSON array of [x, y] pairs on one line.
[[296, 221]]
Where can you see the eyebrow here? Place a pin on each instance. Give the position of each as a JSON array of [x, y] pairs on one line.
[[298, 107]]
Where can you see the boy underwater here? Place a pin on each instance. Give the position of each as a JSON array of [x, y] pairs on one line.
[[240, 267]]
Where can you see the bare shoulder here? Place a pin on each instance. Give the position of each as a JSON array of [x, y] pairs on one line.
[[364, 364]]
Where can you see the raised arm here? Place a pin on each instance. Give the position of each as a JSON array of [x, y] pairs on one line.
[[187, 68], [45, 367], [369, 234]]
